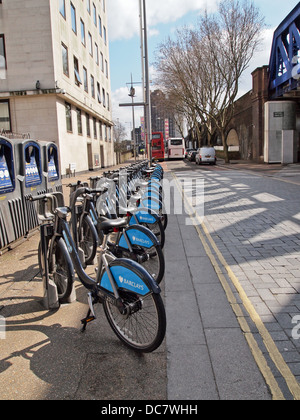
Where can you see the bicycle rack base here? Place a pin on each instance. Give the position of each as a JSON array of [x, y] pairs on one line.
[[50, 299], [72, 297]]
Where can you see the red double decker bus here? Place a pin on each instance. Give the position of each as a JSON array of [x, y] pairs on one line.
[[158, 146]]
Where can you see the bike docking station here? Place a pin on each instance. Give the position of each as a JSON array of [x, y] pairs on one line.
[[51, 172], [12, 223], [50, 162], [46, 214], [32, 181], [28, 162]]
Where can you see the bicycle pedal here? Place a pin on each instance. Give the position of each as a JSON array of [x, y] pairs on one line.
[[86, 321]]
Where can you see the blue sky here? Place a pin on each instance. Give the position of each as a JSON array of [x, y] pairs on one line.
[[164, 16]]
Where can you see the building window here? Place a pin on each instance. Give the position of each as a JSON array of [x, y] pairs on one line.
[[93, 86], [2, 58], [100, 25], [78, 81], [88, 6], [95, 128], [65, 59], [100, 128], [5, 123], [85, 79], [68, 108], [106, 69], [88, 127], [73, 18], [102, 62], [62, 8], [104, 35], [103, 97], [107, 96], [90, 44], [98, 93], [79, 121], [96, 54], [95, 14], [82, 27]]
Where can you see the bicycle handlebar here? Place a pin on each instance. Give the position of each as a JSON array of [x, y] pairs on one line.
[[46, 196], [83, 190]]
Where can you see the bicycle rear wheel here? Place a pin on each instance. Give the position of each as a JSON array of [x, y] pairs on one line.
[[142, 330], [139, 317]]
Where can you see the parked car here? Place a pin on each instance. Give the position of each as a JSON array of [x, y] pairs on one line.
[[191, 155], [206, 155]]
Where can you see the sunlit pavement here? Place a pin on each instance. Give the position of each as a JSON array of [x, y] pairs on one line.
[[251, 223]]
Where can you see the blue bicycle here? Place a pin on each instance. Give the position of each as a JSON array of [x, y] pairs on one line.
[[130, 296]]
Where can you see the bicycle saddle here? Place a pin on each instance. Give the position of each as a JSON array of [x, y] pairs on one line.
[[108, 225]]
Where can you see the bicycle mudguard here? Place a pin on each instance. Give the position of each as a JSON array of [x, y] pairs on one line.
[[138, 235], [128, 275]]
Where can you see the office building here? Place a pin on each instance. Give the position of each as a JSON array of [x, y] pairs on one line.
[[55, 77]]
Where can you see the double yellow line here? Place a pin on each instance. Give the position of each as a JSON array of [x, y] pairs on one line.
[[212, 252]]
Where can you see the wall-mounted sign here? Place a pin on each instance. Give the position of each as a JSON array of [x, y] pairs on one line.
[[278, 114], [5, 180], [32, 175]]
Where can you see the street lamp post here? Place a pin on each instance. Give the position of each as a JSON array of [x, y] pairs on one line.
[[132, 95], [146, 78]]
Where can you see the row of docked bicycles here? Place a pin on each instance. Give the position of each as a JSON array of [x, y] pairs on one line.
[[119, 221]]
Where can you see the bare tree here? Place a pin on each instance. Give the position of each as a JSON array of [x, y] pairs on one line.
[[178, 70], [119, 134], [233, 34], [201, 69]]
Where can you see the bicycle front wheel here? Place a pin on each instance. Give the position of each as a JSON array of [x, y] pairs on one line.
[[144, 329]]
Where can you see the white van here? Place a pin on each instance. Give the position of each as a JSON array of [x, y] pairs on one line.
[[206, 155]]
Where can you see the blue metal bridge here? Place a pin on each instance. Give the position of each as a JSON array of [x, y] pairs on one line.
[[284, 65]]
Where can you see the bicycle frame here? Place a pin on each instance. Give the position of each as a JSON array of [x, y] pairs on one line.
[[106, 259]]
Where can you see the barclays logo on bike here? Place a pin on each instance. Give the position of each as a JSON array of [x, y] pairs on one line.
[[146, 219], [141, 241], [131, 283]]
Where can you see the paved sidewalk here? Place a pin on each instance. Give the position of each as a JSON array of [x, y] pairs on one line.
[[252, 227], [205, 354], [208, 356]]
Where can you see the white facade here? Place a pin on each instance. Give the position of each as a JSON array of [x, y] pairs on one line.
[[55, 77]]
